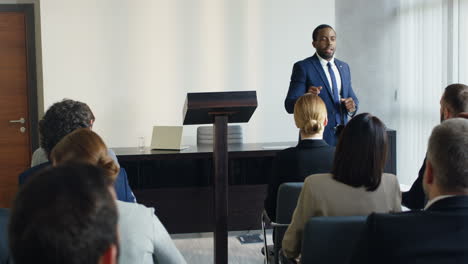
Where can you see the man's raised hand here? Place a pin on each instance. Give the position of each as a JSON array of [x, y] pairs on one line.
[[315, 90]]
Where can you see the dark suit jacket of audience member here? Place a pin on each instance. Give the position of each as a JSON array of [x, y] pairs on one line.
[[4, 250], [122, 188], [436, 235], [294, 164], [415, 198]]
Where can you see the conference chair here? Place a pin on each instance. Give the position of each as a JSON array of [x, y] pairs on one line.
[[288, 194], [122, 187], [331, 239], [4, 251]]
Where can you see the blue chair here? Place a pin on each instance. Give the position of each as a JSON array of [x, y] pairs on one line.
[[4, 248], [331, 239], [288, 194]]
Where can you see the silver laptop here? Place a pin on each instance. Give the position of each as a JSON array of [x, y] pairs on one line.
[[167, 137]]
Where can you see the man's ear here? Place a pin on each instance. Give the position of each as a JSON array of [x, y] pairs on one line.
[[313, 44], [428, 179], [325, 122], [447, 113], [109, 256], [428, 174]]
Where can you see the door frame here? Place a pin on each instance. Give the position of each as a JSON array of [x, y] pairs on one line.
[[28, 10]]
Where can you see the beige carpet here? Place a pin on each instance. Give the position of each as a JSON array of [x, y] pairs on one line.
[[197, 248]]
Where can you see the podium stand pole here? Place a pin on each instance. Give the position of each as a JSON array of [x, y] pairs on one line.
[[219, 108], [220, 159]]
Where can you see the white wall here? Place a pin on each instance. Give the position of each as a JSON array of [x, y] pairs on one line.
[[134, 61]]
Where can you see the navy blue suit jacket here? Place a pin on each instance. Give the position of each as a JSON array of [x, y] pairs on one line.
[[415, 198], [309, 72], [436, 235], [122, 188], [4, 249]]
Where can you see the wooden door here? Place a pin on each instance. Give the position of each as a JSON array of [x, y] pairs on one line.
[[15, 141]]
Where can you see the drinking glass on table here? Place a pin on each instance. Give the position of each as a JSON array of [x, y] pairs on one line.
[[141, 144]]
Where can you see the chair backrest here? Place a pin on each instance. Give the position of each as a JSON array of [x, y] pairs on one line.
[[331, 239], [288, 194], [205, 134], [122, 187], [4, 250]]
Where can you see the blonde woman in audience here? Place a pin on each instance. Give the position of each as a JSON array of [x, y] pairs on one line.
[[143, 239], [311, 155], [356, 185]]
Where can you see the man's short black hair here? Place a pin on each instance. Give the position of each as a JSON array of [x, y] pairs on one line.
[[65, 214], [456, 98], [61, 119], [317, 29]]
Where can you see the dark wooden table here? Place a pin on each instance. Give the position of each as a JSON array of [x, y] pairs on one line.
[[203, 151], [178, 184]]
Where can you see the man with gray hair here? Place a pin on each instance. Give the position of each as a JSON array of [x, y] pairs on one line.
[[439, 233]]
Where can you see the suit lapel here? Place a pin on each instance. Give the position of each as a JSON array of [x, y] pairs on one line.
[[318, 67], [339, 66]]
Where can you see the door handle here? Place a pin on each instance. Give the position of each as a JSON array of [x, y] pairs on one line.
[[21, 120]]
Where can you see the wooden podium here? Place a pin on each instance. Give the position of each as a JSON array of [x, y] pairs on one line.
[[219, 109]]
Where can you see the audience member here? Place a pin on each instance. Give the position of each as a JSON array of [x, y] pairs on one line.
[[439, 233], [65, 215], [143, 239], [356, 185], [61, 119], [312, 155], [454, 102]]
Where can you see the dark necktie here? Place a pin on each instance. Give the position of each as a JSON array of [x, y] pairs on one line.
[[336, 97]]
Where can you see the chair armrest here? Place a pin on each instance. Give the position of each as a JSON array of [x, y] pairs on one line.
[[267, 221]]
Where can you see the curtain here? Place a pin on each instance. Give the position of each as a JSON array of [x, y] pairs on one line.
[[462, 52], [425, 55]]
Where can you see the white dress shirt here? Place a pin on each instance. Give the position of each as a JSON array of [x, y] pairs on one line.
[[324, 63]]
